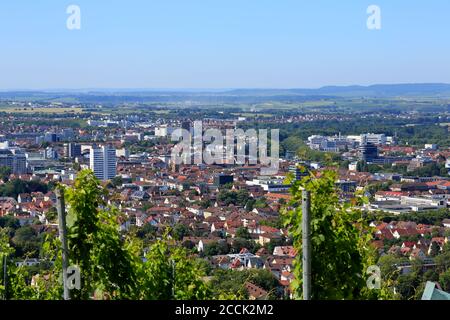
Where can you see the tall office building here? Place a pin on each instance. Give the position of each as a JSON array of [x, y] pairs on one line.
[[16, 161], [50, 137], [368, 152], [67, 134], [20, 163], [50, 153], [72, 150], [103, 162]]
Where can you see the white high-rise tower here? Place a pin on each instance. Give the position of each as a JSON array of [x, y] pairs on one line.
[[103, 162]]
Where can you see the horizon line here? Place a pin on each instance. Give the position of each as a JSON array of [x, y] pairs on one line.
[[222, 89]]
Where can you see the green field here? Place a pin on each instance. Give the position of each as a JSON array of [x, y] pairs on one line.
[[55, 110]]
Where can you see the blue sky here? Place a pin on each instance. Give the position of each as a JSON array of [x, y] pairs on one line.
[[221, 43]]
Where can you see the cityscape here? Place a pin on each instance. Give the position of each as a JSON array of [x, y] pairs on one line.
[[227, 215], [212, 155]]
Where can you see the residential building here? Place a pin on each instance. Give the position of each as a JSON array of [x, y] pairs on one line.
[[164, 130]]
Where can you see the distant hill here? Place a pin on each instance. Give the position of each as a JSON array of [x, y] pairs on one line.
[[378, 90], [117, 96]]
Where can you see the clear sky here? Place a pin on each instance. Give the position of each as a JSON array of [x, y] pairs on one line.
[[222, 43]]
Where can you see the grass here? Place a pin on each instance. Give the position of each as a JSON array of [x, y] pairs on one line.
[[253, 115], [10, 109]]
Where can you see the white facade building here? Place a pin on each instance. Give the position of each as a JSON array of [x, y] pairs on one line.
[[377, 139], [103, 162], [431, 146], [270, 184], [164, 130], [122, 153]]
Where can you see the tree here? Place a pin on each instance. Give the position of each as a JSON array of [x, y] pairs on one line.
[[188, 244], [5, 172], [26, 242], [205, 203], [170, 274], [193, 193], [95, 243], [444, 280], [147, 231], [250, 205], [180, 231], [216, 248], [238, 244], [431, 275], [434, 250], [186, 185], [293, 144], [15, 187], [9, 222], [388, 266], [344, 164], [362, 166], [232, 281], [51, 215], [117, 181], [429, 170], [19, 277], [229, 281], [211, 249], [112, 265], [443, 261], [243, 233], [407, 285], [260, 203], [5, 251], [239, 198], [76, 166], [339, 240], [146, 205], [242, 197]]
